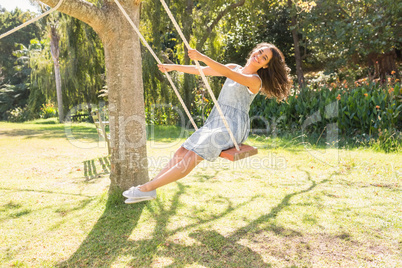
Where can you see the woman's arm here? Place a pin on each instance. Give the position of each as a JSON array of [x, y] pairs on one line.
[[248, 80], [191, 69]]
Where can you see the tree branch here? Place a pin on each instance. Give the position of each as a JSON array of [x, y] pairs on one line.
[[216, 20], [80, 9]]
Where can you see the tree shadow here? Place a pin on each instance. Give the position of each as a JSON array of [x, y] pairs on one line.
[[212, 250], [13, 210], [207, 253], [202, 177], [225, 252], [253, 226], [109, 239], [53, 132]]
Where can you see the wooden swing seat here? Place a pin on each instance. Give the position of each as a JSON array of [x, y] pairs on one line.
[[233, 154]]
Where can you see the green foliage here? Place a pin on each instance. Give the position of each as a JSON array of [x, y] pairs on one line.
[[8, 21], [48, 110], [82, 57], [256, 24], [11, 98], [369, 109], [345, 32], [81, 61], [202, 106], [387, 141], [204, 32], [14, 96], [17, 114]]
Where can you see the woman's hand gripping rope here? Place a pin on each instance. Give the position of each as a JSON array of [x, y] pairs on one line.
[[165, 68], [195, 55]]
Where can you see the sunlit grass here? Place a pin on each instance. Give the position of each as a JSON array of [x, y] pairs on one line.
[[292, 204]]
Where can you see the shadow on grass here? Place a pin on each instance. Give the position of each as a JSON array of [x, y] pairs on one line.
[[45, 130], [225, 251], [109, 237], [254, 226], [90, 171], [14, 210], [43, 191], [56, 131], [108, 242]]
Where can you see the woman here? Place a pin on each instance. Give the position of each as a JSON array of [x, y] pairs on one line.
[[265, 72]]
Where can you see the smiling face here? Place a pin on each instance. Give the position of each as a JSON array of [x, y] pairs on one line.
[[260, 57]]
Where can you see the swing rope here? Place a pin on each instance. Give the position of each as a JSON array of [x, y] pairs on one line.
[[204, 79], [32, 20], [196, 62], [157, 60]]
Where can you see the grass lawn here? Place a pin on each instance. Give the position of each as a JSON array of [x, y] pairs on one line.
[[288, 206]]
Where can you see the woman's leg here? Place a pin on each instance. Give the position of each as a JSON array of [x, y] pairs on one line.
[[177, 157], [178, 171]]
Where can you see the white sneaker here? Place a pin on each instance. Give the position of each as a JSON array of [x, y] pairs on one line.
[[134, 195]]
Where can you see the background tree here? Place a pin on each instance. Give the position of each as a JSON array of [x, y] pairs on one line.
[[55, 52], [81, 61], [8, 21], [14, 71], [356, 34]]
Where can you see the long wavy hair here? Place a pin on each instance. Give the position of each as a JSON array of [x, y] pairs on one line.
[[275, 78]]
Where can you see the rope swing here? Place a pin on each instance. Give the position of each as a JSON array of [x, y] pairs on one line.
[[204, 79], [232, 154], [157, 60]]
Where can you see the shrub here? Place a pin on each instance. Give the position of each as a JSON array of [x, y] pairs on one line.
[[18, 114], [48, 110], [366, 109]]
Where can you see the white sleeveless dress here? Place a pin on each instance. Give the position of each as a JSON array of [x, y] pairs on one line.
[[212, 138]]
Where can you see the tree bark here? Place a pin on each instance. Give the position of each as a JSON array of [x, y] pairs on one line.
[[126, 103], [383, 64], [129, 165]]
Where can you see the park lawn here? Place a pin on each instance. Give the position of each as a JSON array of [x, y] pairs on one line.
[[288, 206]]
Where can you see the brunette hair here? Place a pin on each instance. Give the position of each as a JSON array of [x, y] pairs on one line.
[[275, 79]]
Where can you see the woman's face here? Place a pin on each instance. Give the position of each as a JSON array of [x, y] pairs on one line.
[[261, 57]]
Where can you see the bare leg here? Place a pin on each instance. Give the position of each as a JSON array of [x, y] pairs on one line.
[[177, 157], [178, 171]]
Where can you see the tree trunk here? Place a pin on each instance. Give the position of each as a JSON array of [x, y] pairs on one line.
[[58, 91], [126, 101], [384, 64], [129, 165], [296, 42], [55, 51]]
